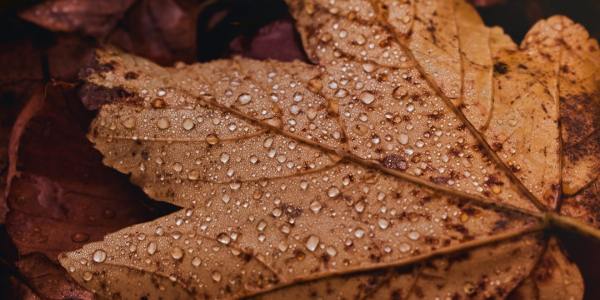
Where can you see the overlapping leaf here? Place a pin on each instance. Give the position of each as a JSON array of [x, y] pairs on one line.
[[415, 158]]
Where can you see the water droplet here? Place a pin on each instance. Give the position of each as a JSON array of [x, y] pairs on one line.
[[188, 124], [193, 175], [383, 223], [333, 192], [99, 256], [304, 185], [368, 67], [312, 242], [399, 93], [129, 123], [341, 93], [403, 139], [212, 139], [331, 251], [163, 123], [244, 98], [298, 97], [469, 288], [87, 276], [315, 206], [268, 142], [253, 159], [151, 248], [225, 198], [360, 39], [177, 167], [366, 97], [224, 158], [223, 238], [159, 231], [359, 233], [216, 276], [261, 225], [413, 235], [235, 185], [177, 253], [282, 246], [359, 207], [196, 262], [404, 247], [80, 237]]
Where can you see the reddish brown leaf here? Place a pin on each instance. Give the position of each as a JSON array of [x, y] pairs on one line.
[[96, 18], [44, 279], [277, 40], [63, 196]]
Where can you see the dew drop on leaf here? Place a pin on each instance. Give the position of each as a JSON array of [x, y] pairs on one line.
[[151, 249], [99, 256], [87, 276], [80, 237], [244, 98], [315, 206], [212, 139], [383, 223], [333, 192], [359, 233], [188, 124], [404, 247], [413, 235], [216, 276], [176, 253], [196, 262], [224, 158], [163, 123], [312, 242], [367, 97], [224, 239], [129, 123]]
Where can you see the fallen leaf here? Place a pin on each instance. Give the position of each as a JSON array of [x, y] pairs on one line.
[[51, 210], [21, 76], [45, 280], [90, 17], [422, 154], [276, 40], [164, 31], [555, 277]]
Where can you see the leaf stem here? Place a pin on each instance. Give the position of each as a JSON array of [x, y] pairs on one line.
[[555, 220]]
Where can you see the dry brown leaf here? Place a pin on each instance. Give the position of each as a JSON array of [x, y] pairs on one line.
[[420, 156]]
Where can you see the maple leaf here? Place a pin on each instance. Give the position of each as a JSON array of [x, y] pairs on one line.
[[421, 155]]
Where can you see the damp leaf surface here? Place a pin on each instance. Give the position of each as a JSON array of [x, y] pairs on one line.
[[419, 155]]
